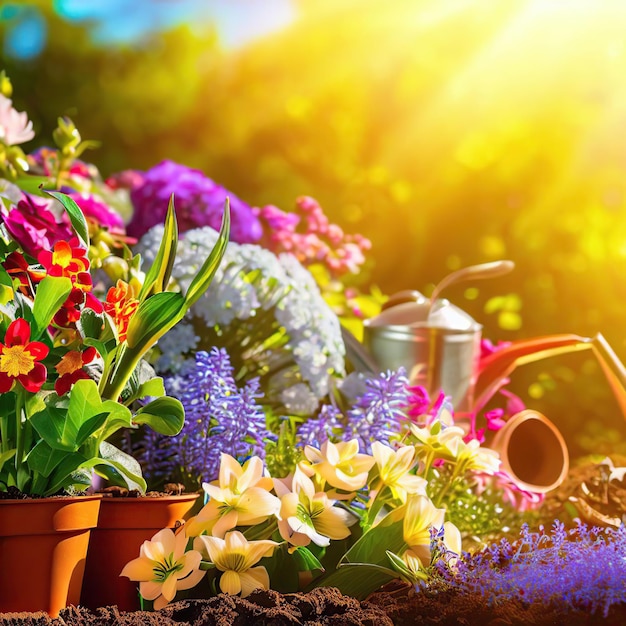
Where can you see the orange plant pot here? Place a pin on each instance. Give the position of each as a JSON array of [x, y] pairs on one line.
[[43, 548], [124, 524]]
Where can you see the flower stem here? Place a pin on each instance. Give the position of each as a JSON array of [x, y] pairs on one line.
[[19, 432]]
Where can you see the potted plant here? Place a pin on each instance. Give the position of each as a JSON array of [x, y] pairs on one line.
[[70, 363]]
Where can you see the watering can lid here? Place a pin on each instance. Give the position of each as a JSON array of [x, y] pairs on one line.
[[413, 310]]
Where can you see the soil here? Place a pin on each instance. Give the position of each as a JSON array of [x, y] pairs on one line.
[[394, 604]]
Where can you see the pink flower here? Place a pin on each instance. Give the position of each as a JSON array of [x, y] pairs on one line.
[[15, 127], [97, 211], [34, 226]]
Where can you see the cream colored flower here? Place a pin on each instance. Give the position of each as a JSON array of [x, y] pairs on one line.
[[340, 464], [240, 497], [394, 468], [235, 557], [15, 127], [163, 567], [307, 516], [472, 457], [419, 515], [437, 440]]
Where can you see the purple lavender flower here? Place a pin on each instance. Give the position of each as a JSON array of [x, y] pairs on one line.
[[583, 568], [219, 416], [199, 202], [327, 425], [378, 413]]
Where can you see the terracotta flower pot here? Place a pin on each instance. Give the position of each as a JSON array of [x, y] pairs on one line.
[[124, 524], [533, 451], [43, 548]]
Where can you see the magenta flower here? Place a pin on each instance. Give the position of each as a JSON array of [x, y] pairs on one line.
[[308, 234], [97, 211], [199, 202], [34, 226]]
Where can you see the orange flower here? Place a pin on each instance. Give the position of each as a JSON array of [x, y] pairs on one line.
[[19, 358], [121, 306], [70, 368], [67, 258]]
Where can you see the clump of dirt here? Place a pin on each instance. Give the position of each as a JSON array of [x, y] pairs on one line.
[[320, 607]]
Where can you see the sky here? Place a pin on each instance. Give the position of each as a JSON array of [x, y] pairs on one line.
[[123, 21]]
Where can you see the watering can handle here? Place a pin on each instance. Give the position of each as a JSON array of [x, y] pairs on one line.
[[473, 272]]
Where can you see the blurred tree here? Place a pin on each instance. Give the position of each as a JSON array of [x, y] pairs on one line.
[[448, 133]]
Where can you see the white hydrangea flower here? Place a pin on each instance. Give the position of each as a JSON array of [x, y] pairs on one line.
[[250, 284]]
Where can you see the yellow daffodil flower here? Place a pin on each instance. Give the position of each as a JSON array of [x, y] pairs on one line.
[[340, 464], [240, 497], [307, 516], [235, 556], [394, 468], [163, 567]]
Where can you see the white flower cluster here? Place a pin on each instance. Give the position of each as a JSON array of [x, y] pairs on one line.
[[250, 283]]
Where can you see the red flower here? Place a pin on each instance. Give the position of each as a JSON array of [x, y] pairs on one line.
[[67, 258], [70, 368], [17, 267], [19, 358]]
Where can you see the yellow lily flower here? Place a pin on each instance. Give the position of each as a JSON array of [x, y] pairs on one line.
[[470, 456], [394, 467], [419, 515], [340, 465], [240, 497], [235, 556], [307, 516], [164, 567], [437, 441]]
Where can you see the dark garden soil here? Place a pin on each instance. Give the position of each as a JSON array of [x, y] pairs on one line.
[[326, 606]]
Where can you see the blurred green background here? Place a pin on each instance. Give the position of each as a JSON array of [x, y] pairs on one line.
[[449, 132]]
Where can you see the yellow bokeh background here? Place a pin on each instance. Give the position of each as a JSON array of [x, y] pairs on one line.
[[449, 132]]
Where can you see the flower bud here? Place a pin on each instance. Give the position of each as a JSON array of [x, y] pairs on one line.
[[6, 88], [66, 136]]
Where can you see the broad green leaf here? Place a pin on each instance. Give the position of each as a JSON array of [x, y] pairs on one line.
[[152, 319], [306, 560], [52, 292], [6, 456], [160, 271], [52, 427], [357, 579], [165, 415], [153, 388], [32, 184], [124, 464], [79, 223], [44, 459], [204, 277], [65, 474]]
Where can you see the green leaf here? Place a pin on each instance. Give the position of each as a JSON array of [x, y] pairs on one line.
[[79, 223], [306, 560], [204, 277], [6, 456], [52, 292], [165, 415], [160, 271], [32, 184], [365, 566], [151, 388], [44, 459], [124, 464], [65, 474], [152, 319], [357, 579]]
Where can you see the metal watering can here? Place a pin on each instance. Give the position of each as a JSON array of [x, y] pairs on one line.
[[439, 346]]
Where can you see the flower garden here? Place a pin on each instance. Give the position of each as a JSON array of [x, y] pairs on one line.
[[159, 335]]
